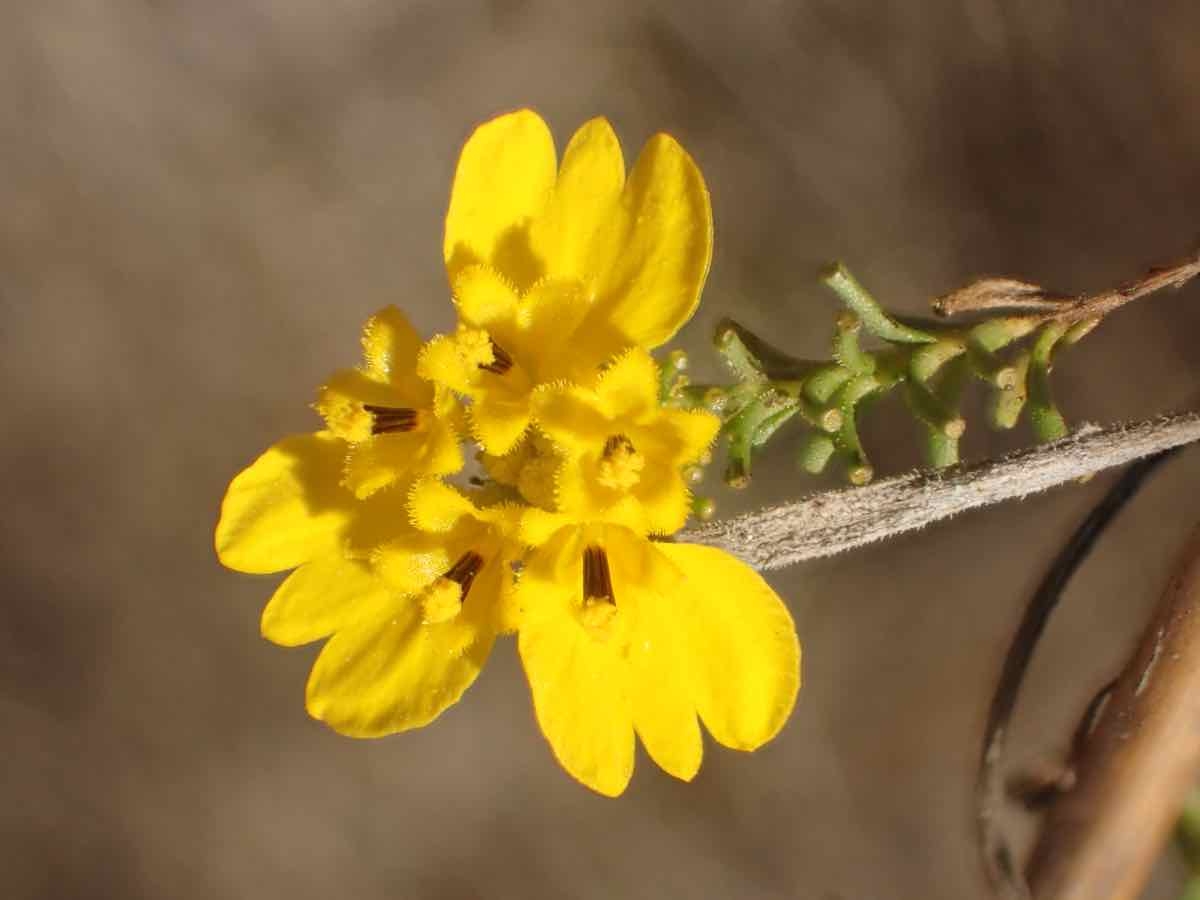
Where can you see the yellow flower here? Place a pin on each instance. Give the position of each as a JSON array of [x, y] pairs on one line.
[[555, 269], [413, 609], [621, 636], [624, 452], [564, 277], [447, 592], [398, 426]]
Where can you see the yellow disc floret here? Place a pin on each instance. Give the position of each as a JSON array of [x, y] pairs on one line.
[[475, 348], [344, 414]]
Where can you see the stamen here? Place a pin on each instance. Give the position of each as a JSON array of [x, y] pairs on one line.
[[464, 571], [387, 419], [501, 361], [621, 465], [617, 442], [443, 600], [597, 578]]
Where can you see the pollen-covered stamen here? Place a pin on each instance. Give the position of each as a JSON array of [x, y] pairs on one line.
[[598, 614], [501, 361], [388, 419], [597, 577], [621, 464], [444, 599]]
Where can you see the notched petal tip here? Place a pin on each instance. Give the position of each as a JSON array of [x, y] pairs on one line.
[[484, 296], [390, 344], [435, 506], [628, 387]]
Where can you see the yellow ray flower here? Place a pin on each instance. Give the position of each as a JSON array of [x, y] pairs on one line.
[[620, 636], [411, 610], [624, 452], [398, 426], [505, 346], [556, 270], [411, 653]]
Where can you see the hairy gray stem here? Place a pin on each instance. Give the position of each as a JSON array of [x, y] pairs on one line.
[[835, 521]]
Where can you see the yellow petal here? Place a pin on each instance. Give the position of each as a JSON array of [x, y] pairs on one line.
[[658, 247], [628, 389], [580, 497], [390, 672], [410, 560], [380, 518], [504, 177], [637, 561], [665, 502], [390, 345], [286, 508], [441, 362], [580, 685], [572, 417], [691, 432], [435, 506], [664, 713], [484, 297], [548, 342], [318, 598], [539, 525], [743, 654], [386, 459], [499, 420], [584, 201]]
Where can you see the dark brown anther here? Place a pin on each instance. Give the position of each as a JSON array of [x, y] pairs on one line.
[[387, 419], [464, 571], [501, 361], [597, 579], [616, 442]]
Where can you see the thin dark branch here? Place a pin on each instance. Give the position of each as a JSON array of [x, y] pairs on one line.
[[1100, 840], [997, 856]]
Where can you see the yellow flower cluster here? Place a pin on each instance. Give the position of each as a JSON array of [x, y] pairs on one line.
[[564, 277]]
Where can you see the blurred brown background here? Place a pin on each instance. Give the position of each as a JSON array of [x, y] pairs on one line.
[[200, 202]]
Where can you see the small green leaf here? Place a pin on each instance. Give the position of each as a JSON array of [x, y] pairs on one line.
[[1048, 423], [927, 360], [876, 321], [816, 449], [1005, 404], [846, 350], [824, 382]]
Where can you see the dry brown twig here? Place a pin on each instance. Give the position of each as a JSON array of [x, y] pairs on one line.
[[1009, 293]]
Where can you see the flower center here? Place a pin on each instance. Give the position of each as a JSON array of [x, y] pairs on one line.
[[388, 419], [444, 599], [501, 361], [597, 577], [621, 465], [599, 608], [478, 349]]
